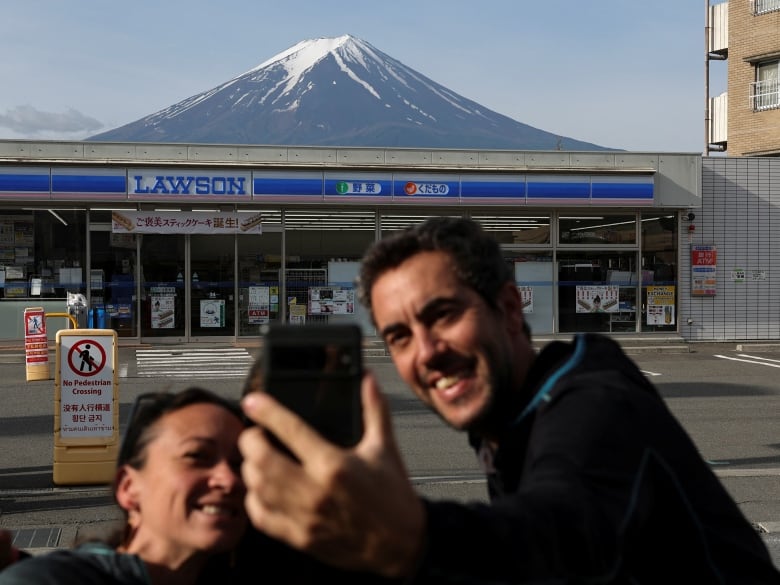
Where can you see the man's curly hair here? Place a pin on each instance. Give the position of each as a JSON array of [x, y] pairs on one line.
[[477, 257]]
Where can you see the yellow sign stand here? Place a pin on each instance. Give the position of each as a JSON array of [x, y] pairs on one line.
[[86, 407]]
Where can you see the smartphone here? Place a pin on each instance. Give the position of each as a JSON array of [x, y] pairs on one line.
[[316, 370]]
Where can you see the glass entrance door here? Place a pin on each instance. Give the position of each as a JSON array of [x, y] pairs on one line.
[[212, 286], [188, 286], [163, 300], [597, 291]]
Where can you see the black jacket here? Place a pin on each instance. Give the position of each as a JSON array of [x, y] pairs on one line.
[[88, 564], [596, 482]]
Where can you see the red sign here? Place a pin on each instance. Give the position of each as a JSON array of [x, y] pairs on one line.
[[704, 256], [704, 260], [36, 344]]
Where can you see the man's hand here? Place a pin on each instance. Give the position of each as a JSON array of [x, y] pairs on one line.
[[351, 508]]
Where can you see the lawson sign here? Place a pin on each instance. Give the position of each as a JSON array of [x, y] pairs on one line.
[[174, 184]]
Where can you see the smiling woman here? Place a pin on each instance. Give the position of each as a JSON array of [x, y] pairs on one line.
[[178, 484]]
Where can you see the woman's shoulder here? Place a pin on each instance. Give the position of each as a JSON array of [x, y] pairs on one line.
[[88, 564]]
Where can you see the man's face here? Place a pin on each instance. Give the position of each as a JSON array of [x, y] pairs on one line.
[[452, 349]]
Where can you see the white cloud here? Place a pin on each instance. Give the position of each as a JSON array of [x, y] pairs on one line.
[[26, 120]]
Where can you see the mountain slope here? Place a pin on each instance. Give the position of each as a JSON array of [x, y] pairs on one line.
[[337, 92]]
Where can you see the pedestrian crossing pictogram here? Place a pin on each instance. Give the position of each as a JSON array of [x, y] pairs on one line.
[[86, 357]]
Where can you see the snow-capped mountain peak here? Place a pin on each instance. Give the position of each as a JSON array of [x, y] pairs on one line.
[[338, 91]]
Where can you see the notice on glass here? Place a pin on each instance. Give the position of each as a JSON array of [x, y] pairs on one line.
[[163, 311], [259, 305], [527, 297], [660, 305], [597, 299], [334, 300], [212, 313]]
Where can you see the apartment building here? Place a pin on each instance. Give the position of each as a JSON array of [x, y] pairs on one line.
[[745, 120]]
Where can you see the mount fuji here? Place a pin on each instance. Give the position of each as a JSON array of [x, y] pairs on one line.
[[337, 92]]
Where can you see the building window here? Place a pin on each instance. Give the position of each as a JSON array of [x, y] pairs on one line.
[[765, 91], [597, 229], [42, 253], [762, 6]]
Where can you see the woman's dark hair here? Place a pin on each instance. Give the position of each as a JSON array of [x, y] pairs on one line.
[[149, 408]]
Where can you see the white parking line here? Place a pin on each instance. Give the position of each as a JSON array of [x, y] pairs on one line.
[[752, 361], [758, 357], [646, 373]]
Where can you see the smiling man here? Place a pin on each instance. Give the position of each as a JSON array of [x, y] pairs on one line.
[[591, 478]]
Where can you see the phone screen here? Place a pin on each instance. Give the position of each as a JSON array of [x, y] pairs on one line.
[[315, 370], [315, 359]]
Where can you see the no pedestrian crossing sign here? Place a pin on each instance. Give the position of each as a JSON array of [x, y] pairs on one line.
[[86, 407], [85, 383]]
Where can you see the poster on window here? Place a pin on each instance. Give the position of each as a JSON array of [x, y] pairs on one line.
[[660, 305], [597, 299], [163, 301], [331, 300], [212, 312], [297, 313], [259, 305], [527, 297]]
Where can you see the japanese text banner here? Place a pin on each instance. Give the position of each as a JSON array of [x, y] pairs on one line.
[[185, 222]]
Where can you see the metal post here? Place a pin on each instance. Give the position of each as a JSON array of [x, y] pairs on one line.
[[707, 113]]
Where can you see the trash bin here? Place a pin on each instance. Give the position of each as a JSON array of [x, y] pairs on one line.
[[77, 307], [97, 317]]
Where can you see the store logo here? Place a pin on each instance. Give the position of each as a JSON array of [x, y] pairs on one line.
[[195, 185]]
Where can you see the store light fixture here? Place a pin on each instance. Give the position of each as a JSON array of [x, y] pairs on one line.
[[603, 225], [58, 216]]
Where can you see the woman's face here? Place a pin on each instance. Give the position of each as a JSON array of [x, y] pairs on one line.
[[189, 497]]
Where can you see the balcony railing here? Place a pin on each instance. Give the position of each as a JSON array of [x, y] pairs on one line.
[[762, 6], [765, 95]]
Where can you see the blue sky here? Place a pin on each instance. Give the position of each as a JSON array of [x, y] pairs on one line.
[[621, 74]]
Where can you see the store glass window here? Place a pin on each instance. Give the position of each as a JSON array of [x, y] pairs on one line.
[[42, 253], [659, 271], [259, 272], [597, 291], [395, 222], [112, 277], [523, 229], [602, 229], [534, 279], [323, 250], [533, 269]]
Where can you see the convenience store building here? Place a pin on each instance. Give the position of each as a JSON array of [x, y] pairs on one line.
[[174, 243]]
